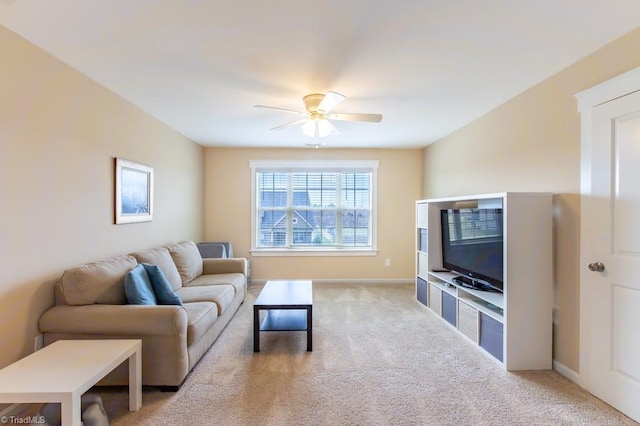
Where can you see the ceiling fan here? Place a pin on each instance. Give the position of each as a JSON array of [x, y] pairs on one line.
[[316, 120]]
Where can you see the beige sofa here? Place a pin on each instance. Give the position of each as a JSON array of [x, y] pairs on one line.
[[91, 304]]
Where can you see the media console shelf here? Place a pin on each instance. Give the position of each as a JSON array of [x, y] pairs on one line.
[[514, 326]]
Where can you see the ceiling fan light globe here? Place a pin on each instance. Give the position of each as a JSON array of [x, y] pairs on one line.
[[317, 128], [324, 128], [309, 128]]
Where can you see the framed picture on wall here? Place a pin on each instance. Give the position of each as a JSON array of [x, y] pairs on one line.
[[133, 192]]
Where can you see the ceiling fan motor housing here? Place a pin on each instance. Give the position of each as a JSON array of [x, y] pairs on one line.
[[312, 101]]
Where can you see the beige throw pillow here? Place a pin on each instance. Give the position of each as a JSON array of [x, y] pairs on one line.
[[160, 256], [99, 282], [188, 260]]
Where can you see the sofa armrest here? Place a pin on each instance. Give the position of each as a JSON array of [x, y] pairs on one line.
[[124, 320], [224, 266]]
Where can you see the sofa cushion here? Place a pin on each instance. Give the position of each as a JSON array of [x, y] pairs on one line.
[[99, 282], [200, 318], [161, 286], [160, 256], [221, 295], [188, 260], [138, 288], [236, 280]]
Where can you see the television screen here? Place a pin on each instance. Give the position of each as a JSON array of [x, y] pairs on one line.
[[472, 245]]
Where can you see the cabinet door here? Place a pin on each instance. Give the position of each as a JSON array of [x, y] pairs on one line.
[[449, 308], [423, 240], [421, 291], [468, 320], [491, 335]]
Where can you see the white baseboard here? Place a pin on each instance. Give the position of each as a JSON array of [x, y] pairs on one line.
[[567, 372], [353, 281]]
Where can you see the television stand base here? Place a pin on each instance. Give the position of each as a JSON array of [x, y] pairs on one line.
[[473, 284]]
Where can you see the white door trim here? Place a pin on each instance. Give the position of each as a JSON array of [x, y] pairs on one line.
[[618, 86], [609, 90]]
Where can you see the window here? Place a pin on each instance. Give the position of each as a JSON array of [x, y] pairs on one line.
[[302, 207]]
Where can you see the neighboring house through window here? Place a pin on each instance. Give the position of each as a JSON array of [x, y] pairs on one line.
[[302, 207]]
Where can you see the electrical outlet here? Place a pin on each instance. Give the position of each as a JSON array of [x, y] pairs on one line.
[[387, 262], [39, 342]]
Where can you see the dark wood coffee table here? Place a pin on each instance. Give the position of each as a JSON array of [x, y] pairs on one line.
[[289, 306]]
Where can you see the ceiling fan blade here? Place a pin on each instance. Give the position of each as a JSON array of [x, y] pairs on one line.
[[332, 129], [280, 109], [330, 101], [372, 118], [291, 123]]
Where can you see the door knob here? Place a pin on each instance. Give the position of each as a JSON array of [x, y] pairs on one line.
[[596, 267]]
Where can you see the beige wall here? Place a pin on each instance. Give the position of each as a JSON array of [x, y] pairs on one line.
[[532, 143], [228, 213], [59, 133]]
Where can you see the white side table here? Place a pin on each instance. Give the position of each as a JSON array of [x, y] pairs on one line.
[[64, 370]]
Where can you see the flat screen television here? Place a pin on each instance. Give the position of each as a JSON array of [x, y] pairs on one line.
[[472, 246]]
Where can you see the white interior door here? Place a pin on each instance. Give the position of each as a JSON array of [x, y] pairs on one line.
[[610, 255]]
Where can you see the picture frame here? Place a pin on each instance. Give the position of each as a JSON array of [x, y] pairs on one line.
[[133, 192]]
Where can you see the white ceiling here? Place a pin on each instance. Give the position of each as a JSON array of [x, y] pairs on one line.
[[429, 66]]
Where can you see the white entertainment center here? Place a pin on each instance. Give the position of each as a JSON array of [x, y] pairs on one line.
[[514, 327]]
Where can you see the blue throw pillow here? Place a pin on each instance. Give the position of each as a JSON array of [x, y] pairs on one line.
[[138, 288], [161, 286]]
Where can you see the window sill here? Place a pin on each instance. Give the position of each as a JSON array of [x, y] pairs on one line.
[[316, 252]]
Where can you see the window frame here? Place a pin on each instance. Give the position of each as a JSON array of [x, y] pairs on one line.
[[306, 166]]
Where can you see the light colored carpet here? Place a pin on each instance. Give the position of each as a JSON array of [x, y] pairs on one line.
[[379, 358]]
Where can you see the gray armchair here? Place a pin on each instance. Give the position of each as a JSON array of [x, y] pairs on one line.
[[220, 249], [215, 249]]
